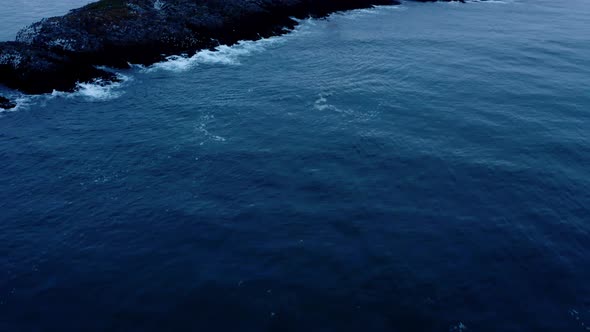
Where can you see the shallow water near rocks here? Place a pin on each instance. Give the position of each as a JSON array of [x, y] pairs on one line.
[[413, 168]]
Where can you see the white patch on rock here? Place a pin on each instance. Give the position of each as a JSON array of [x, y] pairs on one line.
[[135, 8], [458, 328], [12, 59], [159, 4], [28, 34], [64, 44]]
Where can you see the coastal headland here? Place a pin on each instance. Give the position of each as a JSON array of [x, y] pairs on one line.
[[59, 52]]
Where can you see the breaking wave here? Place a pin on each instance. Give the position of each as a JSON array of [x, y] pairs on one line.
[[221, 55], [224, 54], [98, 90]]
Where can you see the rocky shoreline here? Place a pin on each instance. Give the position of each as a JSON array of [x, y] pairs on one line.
[[6, 104], [58, 52]]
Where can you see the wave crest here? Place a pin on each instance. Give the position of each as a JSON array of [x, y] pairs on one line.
[[223, 54], [98, 90]]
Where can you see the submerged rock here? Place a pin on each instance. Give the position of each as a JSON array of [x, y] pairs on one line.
[[58, 52], [6, 104]]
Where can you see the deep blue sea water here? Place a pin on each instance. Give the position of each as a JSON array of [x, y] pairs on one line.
[[414, 168]]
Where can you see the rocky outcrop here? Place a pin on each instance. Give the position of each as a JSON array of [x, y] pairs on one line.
[[57, 52], [34, 69], [6, 104]]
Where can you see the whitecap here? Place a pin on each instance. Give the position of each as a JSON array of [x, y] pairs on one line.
[[221, 55], [225, 54], [97, 90], [21, 101], [361, 13]]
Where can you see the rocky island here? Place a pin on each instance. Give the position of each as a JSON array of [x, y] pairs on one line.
[[56, 53]]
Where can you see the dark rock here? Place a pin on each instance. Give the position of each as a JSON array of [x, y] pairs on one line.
[[33, 69], [57, 52], [6, 104]]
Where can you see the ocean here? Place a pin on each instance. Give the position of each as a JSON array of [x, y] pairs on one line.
[[422, 167]]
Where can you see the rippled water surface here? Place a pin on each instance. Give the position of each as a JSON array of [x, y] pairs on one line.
[[412, 168]]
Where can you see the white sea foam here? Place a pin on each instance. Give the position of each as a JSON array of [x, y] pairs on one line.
[[201, 128], [22, 101], [360, 13], [224, 54], [221, 55], [490, 1], [99, 90], [322, 104]]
